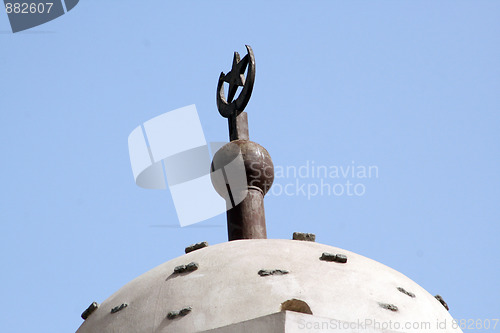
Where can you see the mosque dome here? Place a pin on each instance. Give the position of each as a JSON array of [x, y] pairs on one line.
[[244, 280]]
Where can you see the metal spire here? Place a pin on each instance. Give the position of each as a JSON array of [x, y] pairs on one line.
[[246, 217]]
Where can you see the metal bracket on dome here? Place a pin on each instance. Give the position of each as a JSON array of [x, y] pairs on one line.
[[233, 109], [92, 307], [119, 308]]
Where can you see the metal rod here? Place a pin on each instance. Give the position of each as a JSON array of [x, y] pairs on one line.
[[238, 127], [247, 220]]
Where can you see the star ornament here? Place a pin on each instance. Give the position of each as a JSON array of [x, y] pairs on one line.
[[235, 77]]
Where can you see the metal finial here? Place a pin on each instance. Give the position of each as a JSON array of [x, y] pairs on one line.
[[245, 218], [232, 109]]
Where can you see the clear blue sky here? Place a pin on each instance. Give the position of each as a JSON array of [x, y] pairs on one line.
[[409, 86]]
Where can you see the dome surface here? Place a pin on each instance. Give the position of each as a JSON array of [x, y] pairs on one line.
[[227, 288]]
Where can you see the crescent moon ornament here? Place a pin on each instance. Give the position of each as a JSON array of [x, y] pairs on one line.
[[236, 78]]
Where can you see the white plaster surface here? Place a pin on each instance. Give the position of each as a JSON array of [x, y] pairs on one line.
[[226, 289]]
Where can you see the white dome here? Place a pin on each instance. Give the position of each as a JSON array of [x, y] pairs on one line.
[[226, 289]]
